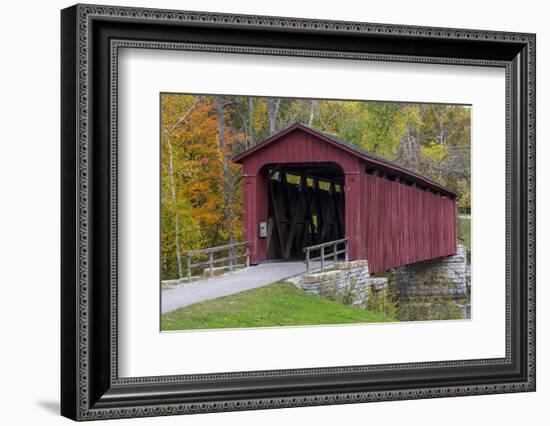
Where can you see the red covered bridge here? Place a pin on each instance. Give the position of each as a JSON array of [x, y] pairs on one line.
[[304, 187]]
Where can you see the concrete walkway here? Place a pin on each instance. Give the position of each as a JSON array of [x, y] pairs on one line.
[[230, 283]]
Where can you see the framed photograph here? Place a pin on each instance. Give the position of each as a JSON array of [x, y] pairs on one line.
[[263, 212]]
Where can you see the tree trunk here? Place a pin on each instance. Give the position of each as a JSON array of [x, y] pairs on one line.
[[442, 130], [408, 147], [174, 202], [251, 120], [312, 112], [227, 185], [272, 111]]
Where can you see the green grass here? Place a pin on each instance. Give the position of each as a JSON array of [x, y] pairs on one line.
[[464, 234], [279, 304]]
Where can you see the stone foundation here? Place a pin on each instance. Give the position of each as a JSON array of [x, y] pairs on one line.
[[438, 284], [347, 282], [465, 310], [443, 277]]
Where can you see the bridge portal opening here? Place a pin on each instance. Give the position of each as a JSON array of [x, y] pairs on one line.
[[306, 204]]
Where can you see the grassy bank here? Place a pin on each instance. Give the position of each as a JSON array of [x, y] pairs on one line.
[[279, 304]]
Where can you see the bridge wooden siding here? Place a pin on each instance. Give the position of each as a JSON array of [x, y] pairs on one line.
[[405, 224], [392, 216]]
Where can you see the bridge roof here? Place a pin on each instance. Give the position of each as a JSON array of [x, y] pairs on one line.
[[351, 149]]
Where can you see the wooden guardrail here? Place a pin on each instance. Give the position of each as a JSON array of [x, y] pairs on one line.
[[231, 258], [324, 255]]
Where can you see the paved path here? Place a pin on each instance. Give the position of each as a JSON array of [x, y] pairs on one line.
[[230, 283]]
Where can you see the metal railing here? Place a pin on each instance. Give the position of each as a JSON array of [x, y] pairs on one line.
[[231, 258], [323, 255]]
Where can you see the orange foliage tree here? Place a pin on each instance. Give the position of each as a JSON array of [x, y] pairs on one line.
[[194, 200]]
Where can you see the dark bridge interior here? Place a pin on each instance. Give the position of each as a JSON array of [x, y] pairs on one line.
[[306, 207]]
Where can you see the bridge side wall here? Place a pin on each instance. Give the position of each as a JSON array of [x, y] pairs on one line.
[[404, 224]]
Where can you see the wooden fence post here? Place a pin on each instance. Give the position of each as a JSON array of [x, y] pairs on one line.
[[211, 261]]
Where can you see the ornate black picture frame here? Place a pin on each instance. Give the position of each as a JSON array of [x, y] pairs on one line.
[[91, 387]]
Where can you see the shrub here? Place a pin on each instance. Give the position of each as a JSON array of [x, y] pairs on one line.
[[427, 309], [382, 301], [344, 295], [348, 292]]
